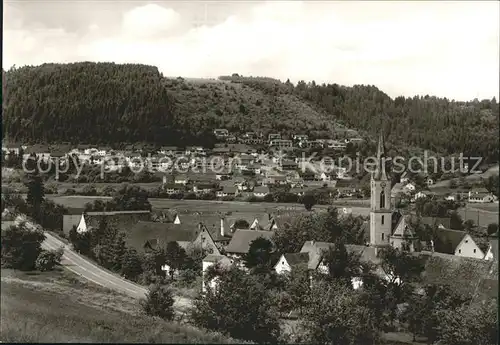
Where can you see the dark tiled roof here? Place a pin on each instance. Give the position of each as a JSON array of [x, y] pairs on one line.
[[217, 258], [229, 190], [479, 190], [296, 258], [241, 240], [261, 189], [283, 221], [37, 149], [70, 220], [158, 233], [116, 213], [120, 219], [462, 274], [436, 221], [449, 238], [316, 250]]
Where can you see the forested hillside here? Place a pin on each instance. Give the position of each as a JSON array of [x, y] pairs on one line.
[[428, 122], [111, 103]]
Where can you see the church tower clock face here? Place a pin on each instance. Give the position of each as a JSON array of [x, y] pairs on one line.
[[382, 184]]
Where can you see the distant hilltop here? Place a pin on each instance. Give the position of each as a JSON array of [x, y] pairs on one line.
[[109, 103]]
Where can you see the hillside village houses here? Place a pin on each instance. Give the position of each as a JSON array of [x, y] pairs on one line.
[[161, 161], [226, 243], [386, 228]]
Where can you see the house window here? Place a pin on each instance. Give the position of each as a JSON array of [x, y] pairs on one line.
[[466, 241], [383, 220], [382, 237], [460, 251], [474, 250], [382, 199]]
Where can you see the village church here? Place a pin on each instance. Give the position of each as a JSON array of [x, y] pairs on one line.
[[387, 227]]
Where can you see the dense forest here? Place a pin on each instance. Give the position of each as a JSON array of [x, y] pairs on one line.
[[111, 103]]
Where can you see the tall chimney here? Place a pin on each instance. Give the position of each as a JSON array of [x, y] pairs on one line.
[[222, 233]]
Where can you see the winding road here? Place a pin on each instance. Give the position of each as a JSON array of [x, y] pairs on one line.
[[92, 272]]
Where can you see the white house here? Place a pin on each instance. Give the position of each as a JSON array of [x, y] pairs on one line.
[[290, 260], [492, 253], [261, 191], [89, 220], [404, 179], [481, 197], [181, 179], [450, 197], [177, 220], [82, 225], [458, 243], [420, 195], [346, 210], [325, 177], [210, 260], [409, 187]]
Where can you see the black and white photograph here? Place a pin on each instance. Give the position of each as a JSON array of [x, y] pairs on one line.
[[250, 172]]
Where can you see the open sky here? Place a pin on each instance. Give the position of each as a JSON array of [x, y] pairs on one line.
[[448, 49]]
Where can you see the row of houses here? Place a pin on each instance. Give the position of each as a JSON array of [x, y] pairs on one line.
[[227, 239], [409, 192]]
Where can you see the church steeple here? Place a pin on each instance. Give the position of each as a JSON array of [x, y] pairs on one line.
[[380, 174], [380, 212]]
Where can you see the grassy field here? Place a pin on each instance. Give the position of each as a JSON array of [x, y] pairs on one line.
[[490, 207], [58, 307], [190, 206], [479, 216]]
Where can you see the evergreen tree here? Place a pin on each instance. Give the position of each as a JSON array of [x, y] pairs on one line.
[[131, 265]]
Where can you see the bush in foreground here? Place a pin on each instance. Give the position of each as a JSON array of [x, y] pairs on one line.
[[159, 302], [239, 306], [48, 259], [21, 245]]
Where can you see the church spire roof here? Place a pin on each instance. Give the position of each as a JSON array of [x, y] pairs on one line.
[[380, 173]]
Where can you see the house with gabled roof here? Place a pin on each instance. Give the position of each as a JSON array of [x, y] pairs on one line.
[[173, 188], [148, 236], [287, 262], [281, 221], [241, 240], [227, 191], [403, 237], [118, 219], [456, 242], [41, 152], [482, 198], [316, 251], [462, 274], [440, 222], [210, 260], [181, 179], [261, 191], [262, 222], [492, 252]]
